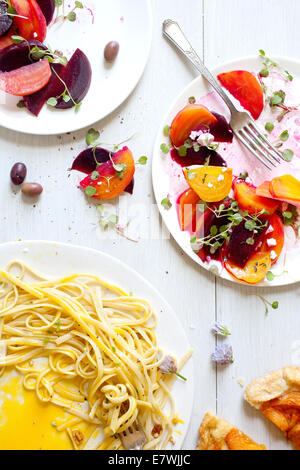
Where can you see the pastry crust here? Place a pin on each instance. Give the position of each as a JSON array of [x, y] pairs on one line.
[[273, 385], [218, 434], [277, 396]]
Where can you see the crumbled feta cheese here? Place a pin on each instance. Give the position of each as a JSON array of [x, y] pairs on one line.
[[194, 135], [220, 177], [271, 242], [273, 254], [209, 185], [270, 229], [205, 139], [35, 35]]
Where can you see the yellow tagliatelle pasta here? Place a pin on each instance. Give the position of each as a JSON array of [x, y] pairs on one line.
[[89, 348]]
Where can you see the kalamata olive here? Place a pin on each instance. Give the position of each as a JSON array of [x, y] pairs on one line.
[[18, 173], [111, 51], [32, 189]]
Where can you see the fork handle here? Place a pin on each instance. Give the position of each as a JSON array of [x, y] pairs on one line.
[[173, 32]]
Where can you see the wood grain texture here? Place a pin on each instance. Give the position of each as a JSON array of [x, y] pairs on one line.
[[220, 31], [260, 342]]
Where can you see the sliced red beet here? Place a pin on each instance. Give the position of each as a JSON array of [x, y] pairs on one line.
[[17, 55], [209, 220], [204, 155], [48, 8], [221, 131], [239, 251], [5, 20], [54, 87], [77, 75], [86, 163]]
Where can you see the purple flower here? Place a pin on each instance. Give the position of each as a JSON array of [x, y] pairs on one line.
[[221, 330], [168, 366], [223, 354]]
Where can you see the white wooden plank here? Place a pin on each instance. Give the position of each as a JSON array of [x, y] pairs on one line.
[[261, 343]]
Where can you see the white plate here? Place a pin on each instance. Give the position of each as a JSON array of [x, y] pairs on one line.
[[58, 259], [288, 261], [127, 21]]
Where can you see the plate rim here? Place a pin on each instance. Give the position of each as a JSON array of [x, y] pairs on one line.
[[126, 96], [150, 286], [214, 69]]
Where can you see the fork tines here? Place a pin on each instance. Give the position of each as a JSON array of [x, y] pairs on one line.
[[251, 136]]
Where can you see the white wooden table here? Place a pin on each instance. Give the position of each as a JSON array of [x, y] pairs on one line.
[[220, 30]]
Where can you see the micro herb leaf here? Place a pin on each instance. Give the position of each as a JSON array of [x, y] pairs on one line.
[[269, 126], [284, 136], [270, 276], [243, 175], [182, 151], [21, 104], [287, 155], [192, 99], [165, 148], [142, 160], [166, 130], [52, 102], [277, 98], [95, 175], [90, 191], [166, 203], [71, 16], [17, 39], [91, 136]]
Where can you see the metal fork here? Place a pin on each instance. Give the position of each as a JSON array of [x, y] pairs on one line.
[[134, 437], [243, 126]]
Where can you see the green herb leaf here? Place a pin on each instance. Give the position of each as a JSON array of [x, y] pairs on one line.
[[95, 175], [78, 4], [264, 73], [166, 130], [71, 16], [17, 39], [243, 175], [192, 99], [287, 155], [90, 191], [284, 136], [269, 126], [91, 136], [21, 104], [275, 305], [52, 102], [166, 203], [182, 151], [142, 160], [270, 276], [165, 148]]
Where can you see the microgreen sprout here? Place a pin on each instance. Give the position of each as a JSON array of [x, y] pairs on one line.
[[270, 65], [112, 221], [270, 276], [142, 160], [71, 16], [91, 136], [166, 203], [268, 304]]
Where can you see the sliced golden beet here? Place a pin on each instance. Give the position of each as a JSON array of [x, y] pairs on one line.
[[246, 196], [187, 209], [294, 436], [211, 183], [264, 191], [255, 269], [277, 417], [191, 117], [237, 440], [285, 187]]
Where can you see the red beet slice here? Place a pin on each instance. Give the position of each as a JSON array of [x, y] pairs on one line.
[[17, 55], [239, 251], [221, 131], [204, 155], [210, 219], [77, 75], [48, 8], [5, 20], [54, 87], [85, 162]]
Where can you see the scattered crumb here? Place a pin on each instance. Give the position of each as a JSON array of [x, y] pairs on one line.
[[241, 381]]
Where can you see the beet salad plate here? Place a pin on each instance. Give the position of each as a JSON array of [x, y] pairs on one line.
[[64, 67], [225, 209]]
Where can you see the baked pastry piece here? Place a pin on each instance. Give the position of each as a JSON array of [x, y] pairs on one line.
[[218, 434], [277, 396]]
